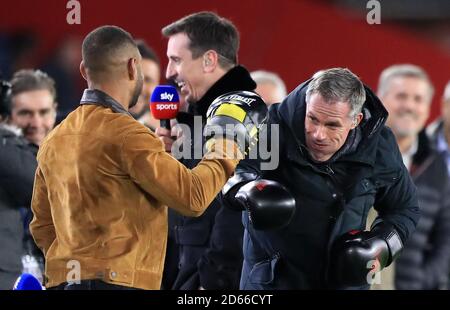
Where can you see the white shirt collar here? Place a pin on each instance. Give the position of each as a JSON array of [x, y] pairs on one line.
[[408, 155]]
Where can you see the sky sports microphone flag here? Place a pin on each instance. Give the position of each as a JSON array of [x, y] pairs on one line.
[[164, 104]]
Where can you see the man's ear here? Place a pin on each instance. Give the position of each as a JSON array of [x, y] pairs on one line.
[[358, 118], [83, 70], [132, 69], [210, 60]]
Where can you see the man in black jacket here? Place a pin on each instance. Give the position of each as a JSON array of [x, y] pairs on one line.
[[204, 252], [407, 93], [439, 130], [32, 110], [17, 167], [338, 160], [439, 133]]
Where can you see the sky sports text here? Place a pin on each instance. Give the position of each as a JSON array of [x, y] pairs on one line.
[[166, 96], [167, 106]]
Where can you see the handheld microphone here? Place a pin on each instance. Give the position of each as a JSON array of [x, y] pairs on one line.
[[164, 104], [27, 282]]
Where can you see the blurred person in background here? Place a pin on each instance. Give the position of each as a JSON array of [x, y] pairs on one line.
[[62, 66], [33, 104], [152, 73], [24, 45], [269, 86], [407, 92], [17, 168], [33, 110], [203, 61], [18, 50], [439, 130]]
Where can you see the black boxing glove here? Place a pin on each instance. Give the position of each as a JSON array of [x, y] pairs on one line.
[[268, 203], [237, 115], [357, 255], [232, 186]]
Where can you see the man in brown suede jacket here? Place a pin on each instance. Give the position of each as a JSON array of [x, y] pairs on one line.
[[104, 180]]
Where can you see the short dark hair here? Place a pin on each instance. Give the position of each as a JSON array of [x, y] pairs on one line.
[[208, 31], [146, 51], [30, 80], [102, 44]]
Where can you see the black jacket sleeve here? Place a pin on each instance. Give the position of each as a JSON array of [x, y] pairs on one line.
[[17, 166], [396, 200], [221, 264]]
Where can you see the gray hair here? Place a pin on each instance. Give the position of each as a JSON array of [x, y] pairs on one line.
[[338, 84], [261, 76], [446, 96], [403, 70]]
